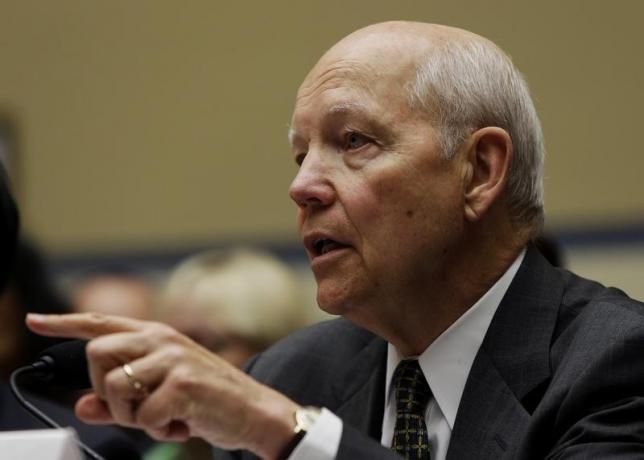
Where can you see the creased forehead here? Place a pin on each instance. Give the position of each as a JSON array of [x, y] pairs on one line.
[[368, 64], [333, 74]]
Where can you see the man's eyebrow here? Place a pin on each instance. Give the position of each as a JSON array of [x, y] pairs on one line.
[[341, 109], [359, 113], [346, 108]]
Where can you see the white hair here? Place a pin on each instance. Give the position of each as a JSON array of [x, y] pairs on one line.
[[469, 83]]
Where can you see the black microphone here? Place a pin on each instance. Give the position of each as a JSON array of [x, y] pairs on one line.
[[63, 365]]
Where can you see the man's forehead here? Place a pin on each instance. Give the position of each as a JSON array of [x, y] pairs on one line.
[[374, 66], [335, 88], [333, 74], [387, 48], [371, 63]]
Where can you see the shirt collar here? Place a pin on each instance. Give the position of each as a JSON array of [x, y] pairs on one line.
[[446, 363]]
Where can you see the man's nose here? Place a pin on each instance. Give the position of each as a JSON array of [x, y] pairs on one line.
[[311, 186]]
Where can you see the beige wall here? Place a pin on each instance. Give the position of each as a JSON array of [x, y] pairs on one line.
[[155, 123], [621, 267]]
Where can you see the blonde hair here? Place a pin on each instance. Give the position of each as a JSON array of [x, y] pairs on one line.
[[253, 294]]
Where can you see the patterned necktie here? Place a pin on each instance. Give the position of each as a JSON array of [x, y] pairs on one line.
[[412, 395]]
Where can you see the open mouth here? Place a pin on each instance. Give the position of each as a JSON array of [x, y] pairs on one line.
[[325, 245]]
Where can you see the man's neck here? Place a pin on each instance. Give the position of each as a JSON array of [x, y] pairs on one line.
[[449, 303], [411, 323]]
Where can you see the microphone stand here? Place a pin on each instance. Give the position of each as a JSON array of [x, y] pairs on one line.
[[37, 367]]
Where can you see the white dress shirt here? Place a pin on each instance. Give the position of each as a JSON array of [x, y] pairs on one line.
[[446, 364]]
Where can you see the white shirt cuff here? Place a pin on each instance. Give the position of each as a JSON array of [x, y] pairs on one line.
[[322, 441]]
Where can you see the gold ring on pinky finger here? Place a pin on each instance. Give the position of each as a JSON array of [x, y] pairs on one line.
[[133, 381]]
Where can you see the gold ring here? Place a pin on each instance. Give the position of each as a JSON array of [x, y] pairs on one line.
[[132, 380]]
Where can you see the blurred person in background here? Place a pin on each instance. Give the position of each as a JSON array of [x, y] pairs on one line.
[[29, 288], [28, 283], [8, 245], [113, 291], [234, 302]]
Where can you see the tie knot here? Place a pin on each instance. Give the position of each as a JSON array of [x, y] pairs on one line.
[[412, 390]]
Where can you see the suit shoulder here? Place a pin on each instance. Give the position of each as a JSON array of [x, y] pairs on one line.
[[593, 318], [317, 346], [585, 302], [309, 365]]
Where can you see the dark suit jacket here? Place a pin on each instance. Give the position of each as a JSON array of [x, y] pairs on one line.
[[560, 374]]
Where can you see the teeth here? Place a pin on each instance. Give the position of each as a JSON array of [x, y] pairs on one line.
[[324, 246], [328, 246]]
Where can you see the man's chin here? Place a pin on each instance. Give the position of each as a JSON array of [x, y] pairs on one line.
[[339, 299], [331, 308], [332, 302]]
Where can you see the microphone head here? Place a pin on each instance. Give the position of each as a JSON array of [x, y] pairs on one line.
[[65, 365]]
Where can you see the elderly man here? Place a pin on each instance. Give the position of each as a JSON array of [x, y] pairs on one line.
[[418, 192]]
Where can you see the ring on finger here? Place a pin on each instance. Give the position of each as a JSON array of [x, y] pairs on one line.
[[133, 381]]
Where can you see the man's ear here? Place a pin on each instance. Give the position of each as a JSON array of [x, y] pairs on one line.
[[486, 164]]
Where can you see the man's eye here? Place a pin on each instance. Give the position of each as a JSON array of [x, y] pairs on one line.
[[354, 141], [299, 158]]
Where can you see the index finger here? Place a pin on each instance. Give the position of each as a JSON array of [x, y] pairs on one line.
[[81, 325]]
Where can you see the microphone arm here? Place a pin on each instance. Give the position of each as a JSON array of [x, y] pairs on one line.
[[45, 368]]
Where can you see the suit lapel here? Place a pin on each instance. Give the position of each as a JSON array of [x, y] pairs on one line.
[[511, 366], [489, 415], [361, 404]]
